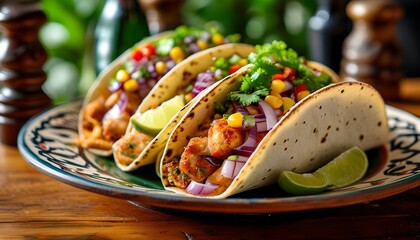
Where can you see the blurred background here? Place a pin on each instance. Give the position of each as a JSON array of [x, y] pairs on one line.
[[76, 28]]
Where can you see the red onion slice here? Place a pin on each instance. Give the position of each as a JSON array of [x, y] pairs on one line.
[[203, 81], [270, 114], [118, 108], [239, 108], [262, 127], [289, 86], [231, 168], [200, 188]]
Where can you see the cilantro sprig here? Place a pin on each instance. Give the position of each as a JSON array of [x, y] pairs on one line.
[[268, 60]]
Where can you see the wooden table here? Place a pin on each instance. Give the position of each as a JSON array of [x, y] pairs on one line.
[[35, 206]]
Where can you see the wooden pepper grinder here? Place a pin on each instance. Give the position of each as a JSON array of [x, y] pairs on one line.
[[162, 15], [21, 60], [371, 52]]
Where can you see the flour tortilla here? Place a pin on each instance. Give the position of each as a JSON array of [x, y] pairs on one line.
[[180, 76], [314, 131]]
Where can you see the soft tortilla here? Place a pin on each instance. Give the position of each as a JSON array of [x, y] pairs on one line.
[[316, 129], [180, 76]]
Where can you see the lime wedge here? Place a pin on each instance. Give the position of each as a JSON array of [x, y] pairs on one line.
[[302, 184], [347, 168], [154, 120]]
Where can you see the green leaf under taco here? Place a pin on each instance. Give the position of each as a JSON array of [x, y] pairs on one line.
[[279, 113], [122, 86], [160, 110]]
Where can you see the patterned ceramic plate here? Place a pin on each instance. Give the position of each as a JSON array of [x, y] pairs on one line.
[[46, 142]]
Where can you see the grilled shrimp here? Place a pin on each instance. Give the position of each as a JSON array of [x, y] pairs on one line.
[[114, 128], [130, 146], [94, 112], [222, 138], [192, 161], [175, 176]]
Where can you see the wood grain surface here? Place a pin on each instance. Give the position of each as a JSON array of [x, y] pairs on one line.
[[35, 206]]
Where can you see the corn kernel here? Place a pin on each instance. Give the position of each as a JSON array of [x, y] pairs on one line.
[[160, 67], [243, 62], [202, 44], [188, 97], [217, 39], [287, 103], [278, 86], [235, 120], [131, 85], [275, 94], [122, 75], [274, 101], [177, 54], [302, 94]]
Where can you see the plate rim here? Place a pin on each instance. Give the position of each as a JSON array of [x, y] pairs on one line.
[[230, 205]]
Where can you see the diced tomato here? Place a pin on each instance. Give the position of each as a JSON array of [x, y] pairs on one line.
[[148, 50], [289, 73], [299, 88], [136, 54], [278, 76], [234, 68]]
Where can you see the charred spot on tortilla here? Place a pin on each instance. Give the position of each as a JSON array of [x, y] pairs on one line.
[[354, 119], [342, 91], [285, 149], [315, 130], [168, 153], [175, 138], [291, 158], [181, 129], [337, 129], [329, 127], [320, 107], [379, 123], [191, 115], [324, 138], [347, 123], [312, 159], [361, 137], [192, 63], [275, 143]]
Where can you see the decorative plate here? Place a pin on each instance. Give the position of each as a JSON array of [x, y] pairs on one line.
[[46, 142]]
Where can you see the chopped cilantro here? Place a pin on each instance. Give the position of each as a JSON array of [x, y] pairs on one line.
[[268, 60], [143, 72], [221, 107], [248, 98]]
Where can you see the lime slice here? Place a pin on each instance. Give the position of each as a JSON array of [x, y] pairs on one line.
[[154, 120], [302, 184], [347, 168]]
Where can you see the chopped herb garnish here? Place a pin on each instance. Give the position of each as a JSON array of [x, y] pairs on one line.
[[268, 60]]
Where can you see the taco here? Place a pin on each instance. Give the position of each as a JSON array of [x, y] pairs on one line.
[[121, 87], [180, 86], [281, 112]]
